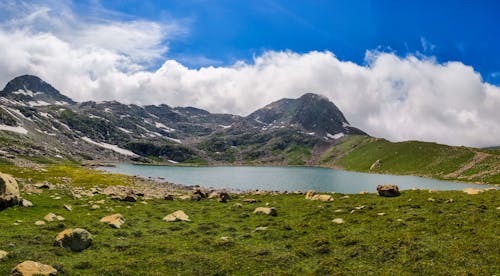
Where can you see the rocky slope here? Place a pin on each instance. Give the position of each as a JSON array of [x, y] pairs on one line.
[[37, 121]]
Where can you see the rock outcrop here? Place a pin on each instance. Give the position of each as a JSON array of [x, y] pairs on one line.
[[74, 239], [9, 191]]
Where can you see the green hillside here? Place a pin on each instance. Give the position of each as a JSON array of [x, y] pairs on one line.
[[358, 153]]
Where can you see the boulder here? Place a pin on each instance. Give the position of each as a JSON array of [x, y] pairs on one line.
[[29, 268], [3, 254], [39, 222], [9, 191], [74, 239], [266, 211], [169, 197], [26, 203], [114, 221], [68, 207], [311, 195], [472, 191], [224, 197], [388, 190], [178, 215], [200, 193], [129, 198], [249, 200], [338, 221], [50, 217]]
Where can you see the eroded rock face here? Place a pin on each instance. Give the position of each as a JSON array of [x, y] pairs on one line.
[[266, 211], [29, 268], [388, 190], [114, 221], [9, 191], [74, 239]]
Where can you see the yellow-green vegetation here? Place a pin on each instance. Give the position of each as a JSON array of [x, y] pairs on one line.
[[71, 174], [415, 235], [358, 153]]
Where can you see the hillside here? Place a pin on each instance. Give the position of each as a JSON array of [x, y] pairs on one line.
[[39, 123]]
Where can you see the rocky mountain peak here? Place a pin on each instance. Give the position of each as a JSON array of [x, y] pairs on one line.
[[33, 91]]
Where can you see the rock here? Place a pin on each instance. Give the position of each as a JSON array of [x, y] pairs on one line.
[[224, 197], [31, 189], [26, 203], [95, 207], [178, 215], [338, 221], [311, 195], [114, 221], [375, 165], [130, 198], [43, 185], [39, 222], [213, 194], [74, 239], [3, 254], [60, 218], [184, 197], [29, 268], [102, 201], [430, 199], [449, 200], [169, 197], [381, 214], [472, 191], [363, 193], [196, 197], [200, 193], [9, 191], [68, 207], [249, 200], [388, 190], [50, 217], [260, 228], [237, 205], [266, 211]]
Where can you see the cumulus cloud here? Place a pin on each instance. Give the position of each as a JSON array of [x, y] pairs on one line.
[[398, 98]]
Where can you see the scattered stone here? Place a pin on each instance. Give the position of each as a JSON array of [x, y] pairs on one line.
[[388, 190], [184, 197], [26, 203], [224, 197], [339, 211], [9, 191], [432, 191], [60, 218], [449, 200], [200, 194], [74, 239], [213, 194], [430, 199], [95, 207], [39, 222], [472, 191], [50, 217], [130, 198], [381, 214], [238, 205], [363, 193], [178, 215], [169, 197], [225, 238], [43, 185], [114, 221], [338, 221], [196, 197], [249, 200], [266, 211], [260, 228], [498, 208], [360, 207], [311, 195], [102, 201], [3, 254], [144, 202], [31, 189], [68, 207], [345, 197], [29, 268], [375, 165], [57, 197]]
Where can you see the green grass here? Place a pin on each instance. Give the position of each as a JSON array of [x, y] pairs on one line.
[[298, 155], [415, 236]]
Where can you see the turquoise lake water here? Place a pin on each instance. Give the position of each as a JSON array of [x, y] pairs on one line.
[[283, 178]]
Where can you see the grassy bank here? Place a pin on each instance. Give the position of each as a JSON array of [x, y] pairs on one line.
[[420, 233]]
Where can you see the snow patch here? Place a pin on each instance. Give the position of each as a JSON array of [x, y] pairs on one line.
[[114, 148], [173, 162], [38, 103], [173, 140], [17, 129], [26, 93], [162, 126], [125, 130], [335, 136], [223, 126]]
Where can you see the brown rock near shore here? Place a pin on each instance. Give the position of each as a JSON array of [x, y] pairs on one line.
[[177, 216], [388, 190]]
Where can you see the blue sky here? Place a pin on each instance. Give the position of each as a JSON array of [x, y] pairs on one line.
[[221, 32]]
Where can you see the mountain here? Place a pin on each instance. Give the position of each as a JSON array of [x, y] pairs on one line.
[[311, 112], [38, 120], [33, 91]]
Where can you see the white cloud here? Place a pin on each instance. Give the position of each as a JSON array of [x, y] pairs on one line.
[[398, 98]]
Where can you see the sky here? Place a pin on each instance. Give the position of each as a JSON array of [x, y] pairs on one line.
[[400, 70]]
